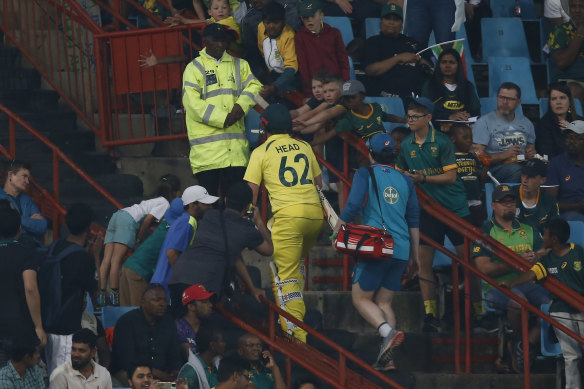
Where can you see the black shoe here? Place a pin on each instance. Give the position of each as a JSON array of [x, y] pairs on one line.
[[431, 324], [518, 357], [485, 325]]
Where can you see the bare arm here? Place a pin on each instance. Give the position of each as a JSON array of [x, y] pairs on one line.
[[446, 178], [172, 256], [255, 190], [380, 67], [565, 57], [312, 125], [318, 180], [491, 268], [144, 226], [33, 301], [241, 270], [103, 352], [198, 6], [322, 137], [266, 247], [310, 113], [528, 276], [273, 366], [499, 157]]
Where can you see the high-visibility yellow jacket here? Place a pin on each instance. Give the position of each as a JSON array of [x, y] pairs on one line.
[[210, 90]]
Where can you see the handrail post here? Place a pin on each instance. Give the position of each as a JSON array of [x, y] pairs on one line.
[[467, 308], [342, 370], [272, 323], [12, 137], [117, 10], [55, 175], [456, 311], [525, 345], [288, 372]]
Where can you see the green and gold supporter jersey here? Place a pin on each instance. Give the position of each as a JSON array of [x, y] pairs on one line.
[[521, 238], [434, 156], [469, 171], [261, 377], [546, 208], [287, 167], [567, 269], [363, 126]]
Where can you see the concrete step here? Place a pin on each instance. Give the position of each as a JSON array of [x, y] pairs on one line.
[[19, 79], [9, 56], [481, 381], [51, 121], [39, 100]]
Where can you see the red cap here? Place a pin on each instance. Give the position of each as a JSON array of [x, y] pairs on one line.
[[195, 293]]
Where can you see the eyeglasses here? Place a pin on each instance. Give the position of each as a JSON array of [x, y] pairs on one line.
[[413, 118], [505, 98]]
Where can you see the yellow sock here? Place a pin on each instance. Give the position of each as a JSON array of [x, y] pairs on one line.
[[479, 308], [430, 306]]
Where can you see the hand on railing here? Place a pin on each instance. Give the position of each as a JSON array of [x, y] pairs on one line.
[[148, 61]]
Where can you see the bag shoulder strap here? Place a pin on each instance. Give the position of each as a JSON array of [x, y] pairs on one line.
[[52, 258], [374, 181]]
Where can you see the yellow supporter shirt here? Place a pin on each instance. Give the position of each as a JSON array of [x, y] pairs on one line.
[[287, 166], [231, 23]]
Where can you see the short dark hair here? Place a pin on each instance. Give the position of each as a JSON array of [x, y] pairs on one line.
[[205, 336], [10, 220], [230, 365], [415, 106], [132, 369], [21, 347], [510, 85], [336, 78], [321, 75], [559, 228], [86, 336], [239, 196], [14, 165], [458, 127], [79, 218], [307, 380], [168, 186], [385, 157], [154, 285], [273, 11], [405, 131]]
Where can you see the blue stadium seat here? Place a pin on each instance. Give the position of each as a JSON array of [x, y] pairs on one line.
[[252, 122], [576, 232], [548, 349], [505, 38], [514, 69], [352, 75], [343, 23], [110, 315], [441, 259], [489, 104], [372, 27], [504, 8], [543, 106], [392, 105]]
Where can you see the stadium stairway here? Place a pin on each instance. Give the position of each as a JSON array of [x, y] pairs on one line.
[[23, 91]]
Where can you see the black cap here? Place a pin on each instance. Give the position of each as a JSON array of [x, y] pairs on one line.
[[501, 192], [217, 30], [276, 117], [534, 167]]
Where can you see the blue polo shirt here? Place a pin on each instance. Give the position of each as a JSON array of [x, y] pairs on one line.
[[568, 177]]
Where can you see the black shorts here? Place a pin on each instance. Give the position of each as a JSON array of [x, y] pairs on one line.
[[436, 230]]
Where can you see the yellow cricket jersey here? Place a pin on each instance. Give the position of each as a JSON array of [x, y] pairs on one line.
[[287, 166]]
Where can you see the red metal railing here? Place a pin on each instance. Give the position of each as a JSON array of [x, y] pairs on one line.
[[54, 211], [334, 372]]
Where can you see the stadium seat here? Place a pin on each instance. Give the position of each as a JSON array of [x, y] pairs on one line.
[[110, 315], [505, 8], [441, 259], [576, 232], [343, 23], [548, 349], [513, 69], [506, 38], [543, 106], [468, 59], [352, 75], [372, 27], [252, 122], [392, 105], [489, 104]]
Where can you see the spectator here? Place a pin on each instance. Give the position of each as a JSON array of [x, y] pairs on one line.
[[298, 217], [475, 11], [356, 10], [523, 240], [201, 369], [77, 279], [318, 46], [505, 136], [147, 335], [427, 157], [563, 262], [567, 54], [215, 105], [196, 201], [233, 373], [16, 180], [126, 229], [91, 322], [21, 303], [554, 11], [399, 213], [535, 206], [217, 247], [23, 371], [140, 377], [454, 97], [263, 371], [549, 139], [197, 301], [399, 134], [139, 267], [390, 59], [276, 43], [235, 8], [425, 16], [81, 371], [309, 109], [155, 8], [307, 383], [566, 174]]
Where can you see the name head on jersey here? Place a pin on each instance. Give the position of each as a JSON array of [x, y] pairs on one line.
[[276, 119]]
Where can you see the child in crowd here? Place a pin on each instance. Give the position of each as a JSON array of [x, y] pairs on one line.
[[399, 134], [276, 43], [236, 8], [128, 227], [316, 103], [470, 170], [318, 46]]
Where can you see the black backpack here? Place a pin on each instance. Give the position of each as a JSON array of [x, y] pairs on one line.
[[50, 284]]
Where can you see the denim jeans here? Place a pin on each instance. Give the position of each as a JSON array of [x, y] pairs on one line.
[[423, 16]]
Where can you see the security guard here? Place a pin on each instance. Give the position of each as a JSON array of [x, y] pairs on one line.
[[218, 90], [289, 170]]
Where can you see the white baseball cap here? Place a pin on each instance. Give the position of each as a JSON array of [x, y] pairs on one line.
[[197, 193], [577, 126]]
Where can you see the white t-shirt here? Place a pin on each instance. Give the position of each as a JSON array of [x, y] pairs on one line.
[[552, 9], [155, 207], [65, 377]]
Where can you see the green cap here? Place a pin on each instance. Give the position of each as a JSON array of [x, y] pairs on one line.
[[392, 9], [309, 7]]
